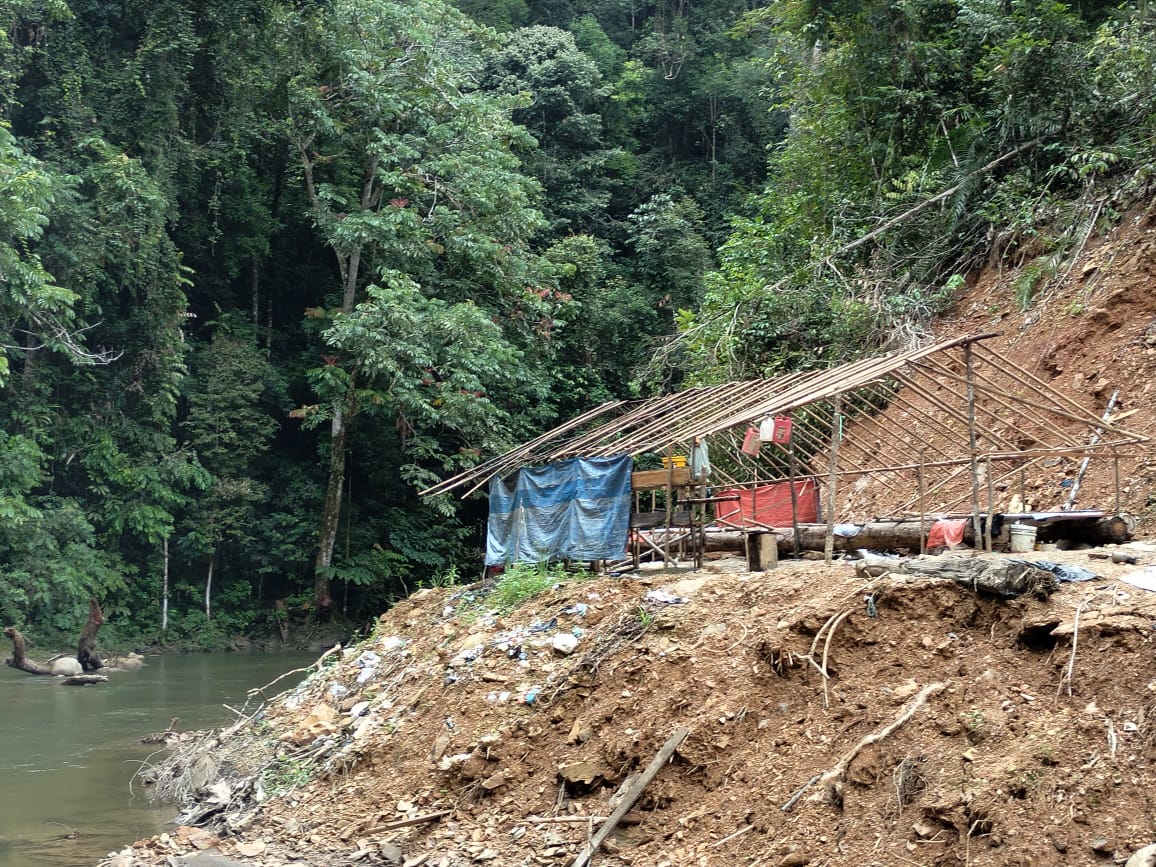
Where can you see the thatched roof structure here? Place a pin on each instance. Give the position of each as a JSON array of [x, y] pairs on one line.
[[948, 409]]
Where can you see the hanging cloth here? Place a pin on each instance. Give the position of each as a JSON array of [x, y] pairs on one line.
[[751, 441], [700, 460]]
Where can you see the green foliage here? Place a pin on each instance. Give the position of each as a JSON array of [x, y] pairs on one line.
[[487, 232], [285, 774], [521, 582]]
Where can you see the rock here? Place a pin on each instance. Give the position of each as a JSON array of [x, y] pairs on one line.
[[564, 643], [251, 849], [390, 853], [495, 781], [203, 859], [1145, 857], [1101, 846], [581, 772], [66, 667]]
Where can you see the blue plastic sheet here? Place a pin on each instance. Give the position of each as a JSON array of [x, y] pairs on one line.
[[576, 509], [1062, 571]]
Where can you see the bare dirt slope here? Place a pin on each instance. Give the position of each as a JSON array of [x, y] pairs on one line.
[[1093, 331], [1009, 749]]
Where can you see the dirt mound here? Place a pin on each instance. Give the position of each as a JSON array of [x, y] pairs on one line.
[[950, 727]]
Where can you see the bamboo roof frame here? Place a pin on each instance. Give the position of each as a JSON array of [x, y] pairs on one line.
[[894, 409]]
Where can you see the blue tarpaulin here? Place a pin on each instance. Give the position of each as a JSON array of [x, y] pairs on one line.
[[576, 509]]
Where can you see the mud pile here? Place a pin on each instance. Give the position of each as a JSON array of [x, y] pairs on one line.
[[833, 718]]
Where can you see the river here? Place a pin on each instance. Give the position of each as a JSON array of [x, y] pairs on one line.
[[68, 754]]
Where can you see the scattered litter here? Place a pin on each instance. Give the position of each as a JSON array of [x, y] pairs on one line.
[[1062, 571], [666, 598], [578, 609], [847, 531], [1145, 578], [545, 626], [367, 662]]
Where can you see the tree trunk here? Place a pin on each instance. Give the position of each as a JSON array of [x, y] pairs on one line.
[[19, 660], [86, 653], [889, 535], [330, 514], [165, 588], [209, 587]]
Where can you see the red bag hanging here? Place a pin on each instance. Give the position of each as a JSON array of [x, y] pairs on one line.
[[751, 441], [782, 434]]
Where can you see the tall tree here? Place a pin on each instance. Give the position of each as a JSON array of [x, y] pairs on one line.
[[410, 180]]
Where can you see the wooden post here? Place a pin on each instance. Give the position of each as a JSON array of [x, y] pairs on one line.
[[922, 507], [794, 494], [769, 551], [669, 503], [971, 441], [1116, 471], [990, 506], [836, 432]]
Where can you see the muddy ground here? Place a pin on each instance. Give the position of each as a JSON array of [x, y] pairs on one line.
[[1010, 748]]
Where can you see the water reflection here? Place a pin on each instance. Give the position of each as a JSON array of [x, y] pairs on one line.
[[68, 754]]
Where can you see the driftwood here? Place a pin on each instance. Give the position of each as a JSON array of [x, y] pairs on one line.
[[20, 660], [86, 653], [999, 577], [84, 679], [631, 795]]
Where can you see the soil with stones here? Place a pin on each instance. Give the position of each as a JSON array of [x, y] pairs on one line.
[[948, 728]]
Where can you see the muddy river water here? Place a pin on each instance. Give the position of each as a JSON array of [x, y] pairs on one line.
[[68, 754]]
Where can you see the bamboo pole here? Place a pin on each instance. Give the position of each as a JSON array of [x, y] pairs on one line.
[[1084, 463], [836, 435], [794, 493], [971, 442], [990, 507], [922, 508]]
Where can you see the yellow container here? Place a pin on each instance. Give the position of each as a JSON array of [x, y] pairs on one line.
[[677, 460]]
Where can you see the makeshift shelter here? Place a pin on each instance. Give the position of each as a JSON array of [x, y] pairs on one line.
[[949, 423]]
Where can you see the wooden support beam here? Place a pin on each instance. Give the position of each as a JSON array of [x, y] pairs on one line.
[[632, 794]]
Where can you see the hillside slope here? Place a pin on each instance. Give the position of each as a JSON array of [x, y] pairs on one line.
[[1009, 731], [999, 745], [1092, 332]]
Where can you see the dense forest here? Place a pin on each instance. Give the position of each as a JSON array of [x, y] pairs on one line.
[[268, 268]]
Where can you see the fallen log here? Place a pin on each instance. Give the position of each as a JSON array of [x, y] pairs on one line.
[[997, 576], [84, 679], [905, 535], [19, 658]]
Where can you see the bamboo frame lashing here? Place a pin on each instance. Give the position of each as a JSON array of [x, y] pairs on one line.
[[836, 436], [931, 370], [961, 417], [993, 394]]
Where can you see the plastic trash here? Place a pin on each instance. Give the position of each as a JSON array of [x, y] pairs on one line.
[[665, 598]]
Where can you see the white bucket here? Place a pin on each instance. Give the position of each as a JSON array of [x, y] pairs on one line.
[[1022, 538]]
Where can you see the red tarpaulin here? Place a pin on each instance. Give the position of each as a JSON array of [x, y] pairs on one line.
[[769, 504]]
